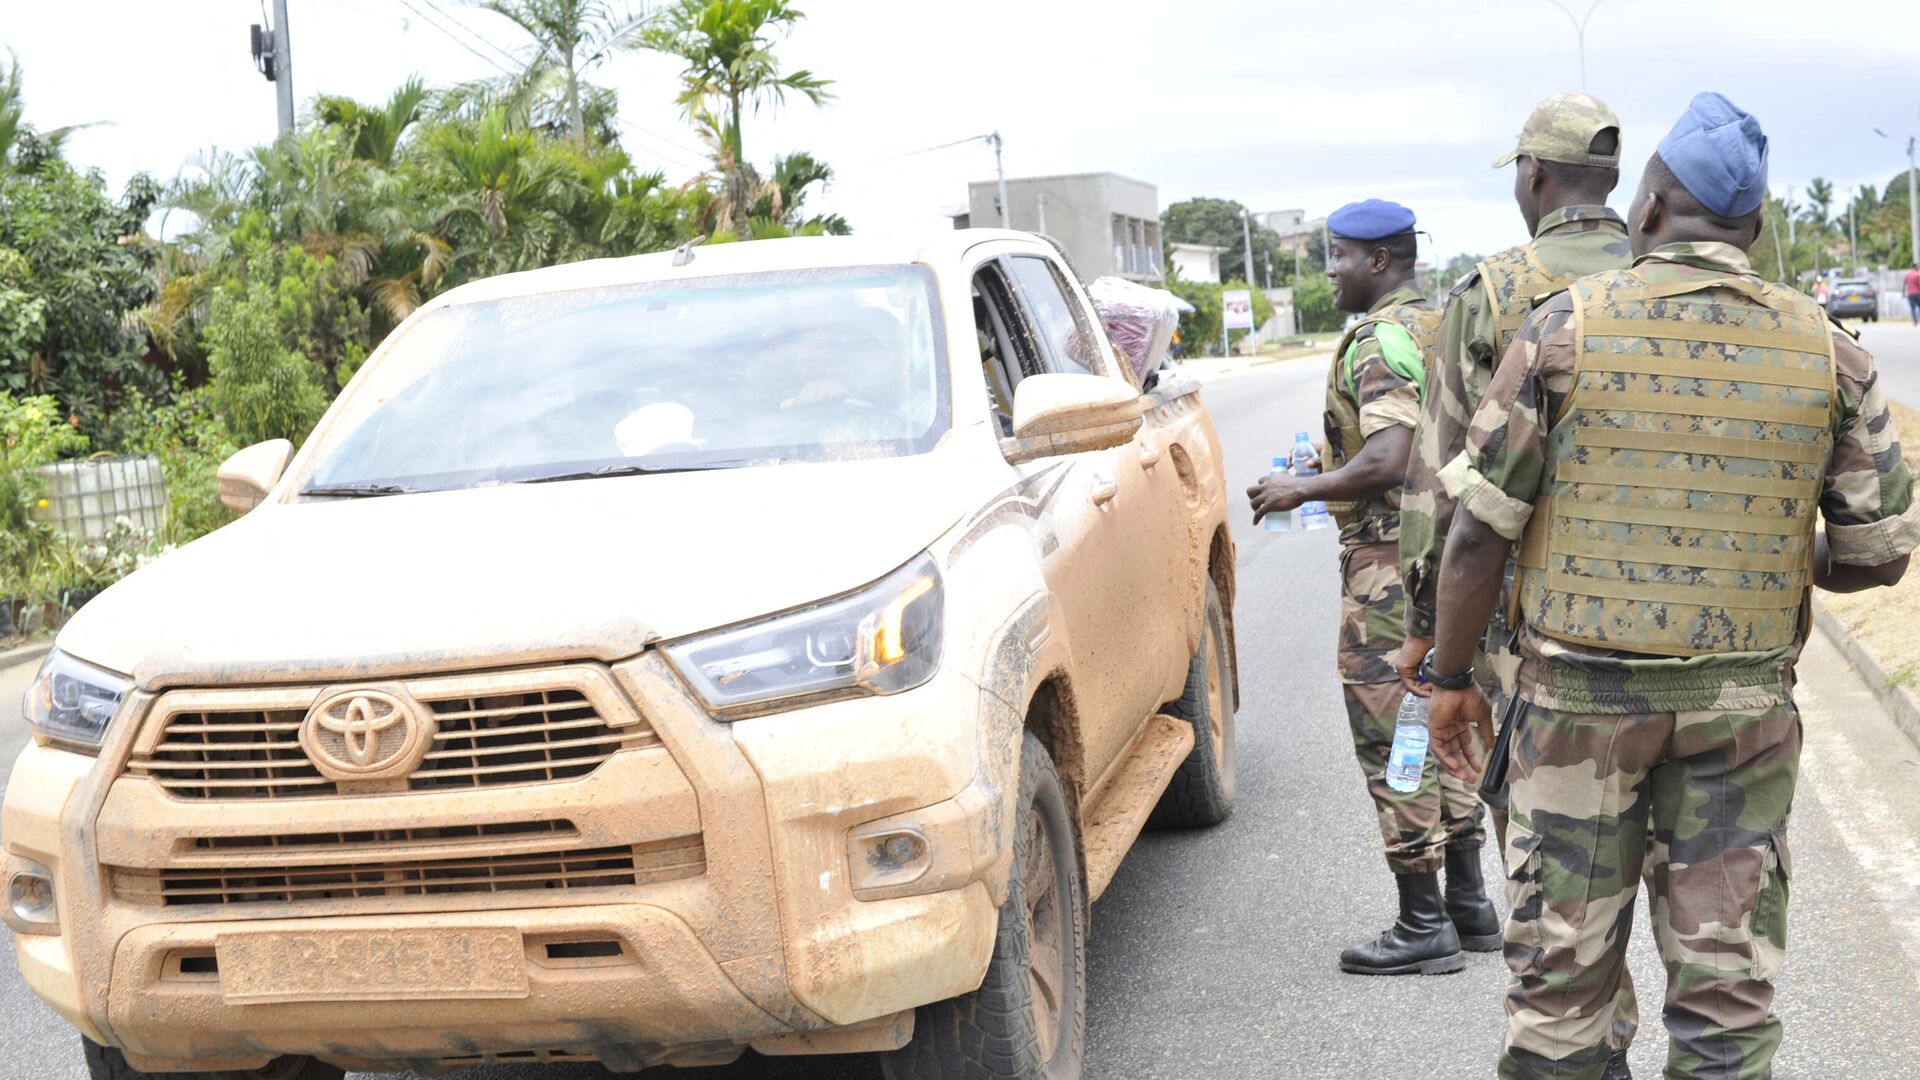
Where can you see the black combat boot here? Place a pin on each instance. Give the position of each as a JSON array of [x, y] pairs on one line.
[[1472, 913], [1421, 940], [1617, 1067]]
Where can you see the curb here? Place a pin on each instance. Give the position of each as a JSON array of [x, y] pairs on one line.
[[29, 653], [1899, 701]]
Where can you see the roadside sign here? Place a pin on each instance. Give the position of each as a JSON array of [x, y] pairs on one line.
[[1238, 307]]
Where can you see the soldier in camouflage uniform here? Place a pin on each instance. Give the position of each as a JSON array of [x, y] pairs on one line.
[[1373, 401], [1566, 163], [1660, 441]]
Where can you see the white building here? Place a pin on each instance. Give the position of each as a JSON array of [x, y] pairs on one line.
[[1108, 223], [1197, 262]]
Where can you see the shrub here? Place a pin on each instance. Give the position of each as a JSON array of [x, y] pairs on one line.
[[190, 439], [264, 389], [34, 431]]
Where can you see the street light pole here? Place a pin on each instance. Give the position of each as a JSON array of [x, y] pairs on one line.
[[1579, 33], [1913, 198]]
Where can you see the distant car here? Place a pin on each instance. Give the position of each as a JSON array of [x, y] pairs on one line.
[[1854, 298]]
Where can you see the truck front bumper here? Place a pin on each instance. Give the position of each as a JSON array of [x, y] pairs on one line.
[[780, 925]]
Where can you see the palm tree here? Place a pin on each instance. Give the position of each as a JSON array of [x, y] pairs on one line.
[[570, 37], [1819, 215], [13, 111], [505, 193], [731, 67], [376, 130]]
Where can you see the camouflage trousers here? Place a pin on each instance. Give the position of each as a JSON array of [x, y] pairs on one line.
[[1416, 826], [1697, 803]]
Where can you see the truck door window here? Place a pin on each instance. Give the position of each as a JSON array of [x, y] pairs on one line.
[[1008, 352], [1059, 320]]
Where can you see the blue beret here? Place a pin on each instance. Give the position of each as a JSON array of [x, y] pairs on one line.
[[1719, 154], [1374, 219]]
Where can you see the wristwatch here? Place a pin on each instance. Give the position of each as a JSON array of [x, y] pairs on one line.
[[1443, 682]]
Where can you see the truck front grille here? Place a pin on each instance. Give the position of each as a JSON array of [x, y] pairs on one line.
[[582, 868], [482, 738]]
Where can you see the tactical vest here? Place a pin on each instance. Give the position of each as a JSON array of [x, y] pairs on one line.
[[1422, 323], [1512, 279], [1684, 468]]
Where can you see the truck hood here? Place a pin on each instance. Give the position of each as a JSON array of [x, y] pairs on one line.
[[362, 588]]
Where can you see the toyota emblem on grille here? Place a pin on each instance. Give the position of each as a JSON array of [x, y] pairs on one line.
[[366, 734]]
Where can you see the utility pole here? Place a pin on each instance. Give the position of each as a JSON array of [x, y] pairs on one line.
[[1853, 229], [1787, 209], [1913, 198], [273, 56], [1246, 237], [1006, 210], [1779, 252], [1043, 212]]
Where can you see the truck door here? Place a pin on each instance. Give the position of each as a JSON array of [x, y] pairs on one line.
[[1109, 528]]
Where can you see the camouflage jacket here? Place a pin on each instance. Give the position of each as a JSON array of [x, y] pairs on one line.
[[1383, 394], [1571, 242], [1866, 500]]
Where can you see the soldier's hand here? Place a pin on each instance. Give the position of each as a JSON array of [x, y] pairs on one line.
[[1453, 716], [1407, 663], [1275, 494]]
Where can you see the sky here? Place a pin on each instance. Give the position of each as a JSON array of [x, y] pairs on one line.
[[1275, 103]]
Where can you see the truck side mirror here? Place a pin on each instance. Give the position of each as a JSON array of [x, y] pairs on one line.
[[1070, 414], [247, 476]]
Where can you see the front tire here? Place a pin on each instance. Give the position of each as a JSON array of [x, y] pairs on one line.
[[1201, 792], [106, 1063], [1028, 1019]]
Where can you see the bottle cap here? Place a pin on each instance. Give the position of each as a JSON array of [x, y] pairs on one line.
[[1279, 461]]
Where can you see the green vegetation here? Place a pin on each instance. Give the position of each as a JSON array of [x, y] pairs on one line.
[[1812, 234], [283, 266], [1200, 328]]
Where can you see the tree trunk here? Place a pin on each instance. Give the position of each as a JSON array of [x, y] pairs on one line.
[[576, 121], [737, 176]]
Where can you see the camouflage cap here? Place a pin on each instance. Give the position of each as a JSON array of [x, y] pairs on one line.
[[1561, 128]]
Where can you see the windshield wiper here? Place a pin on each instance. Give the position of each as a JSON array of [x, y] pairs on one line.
[[636, 468], [360, 491]]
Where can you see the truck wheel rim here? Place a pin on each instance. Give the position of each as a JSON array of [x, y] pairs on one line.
[[1046, 937]]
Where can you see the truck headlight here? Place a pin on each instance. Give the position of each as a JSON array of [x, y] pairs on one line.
[[70, 701], [881, 640]]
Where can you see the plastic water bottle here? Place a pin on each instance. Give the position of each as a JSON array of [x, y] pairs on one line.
[[1313, 515], [1408, 758], [1277, 521]]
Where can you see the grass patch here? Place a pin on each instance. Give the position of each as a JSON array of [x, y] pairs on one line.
[[1902, 676]]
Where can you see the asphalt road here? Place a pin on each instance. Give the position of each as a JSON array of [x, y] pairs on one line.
[[1896, 352], [1213, 952]]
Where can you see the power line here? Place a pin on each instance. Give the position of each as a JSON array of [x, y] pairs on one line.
[[471, 32], [637, 129], [456, 39]]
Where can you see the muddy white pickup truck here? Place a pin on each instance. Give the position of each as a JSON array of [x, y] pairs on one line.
[[774, 645]]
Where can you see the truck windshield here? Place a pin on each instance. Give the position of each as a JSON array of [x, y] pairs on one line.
[[819, 365]]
